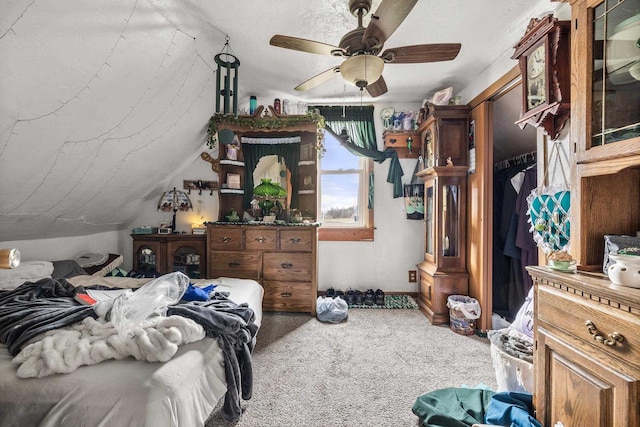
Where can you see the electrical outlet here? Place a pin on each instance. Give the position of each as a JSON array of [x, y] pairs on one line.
[[413, 276]]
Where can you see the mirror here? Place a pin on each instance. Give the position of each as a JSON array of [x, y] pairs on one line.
[[270, 167], [273, 167]]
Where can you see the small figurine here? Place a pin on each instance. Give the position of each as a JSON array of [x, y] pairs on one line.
[[449, 161]]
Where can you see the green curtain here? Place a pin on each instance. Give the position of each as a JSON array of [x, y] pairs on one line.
[[252, 155], [358, 121]]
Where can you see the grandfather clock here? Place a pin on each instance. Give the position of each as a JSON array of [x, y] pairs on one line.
[[443, 271]]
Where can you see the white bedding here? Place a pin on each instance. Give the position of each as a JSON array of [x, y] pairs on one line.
[[118, 393]]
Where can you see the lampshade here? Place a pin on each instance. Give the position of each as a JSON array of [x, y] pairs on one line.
[[362, 70], [174, 200]]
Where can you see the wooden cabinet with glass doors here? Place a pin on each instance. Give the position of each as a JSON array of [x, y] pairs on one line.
[[605, 124], [162, 254], [586, 352], [443, 272]]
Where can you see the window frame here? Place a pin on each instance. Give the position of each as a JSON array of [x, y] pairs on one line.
[[364, 232]]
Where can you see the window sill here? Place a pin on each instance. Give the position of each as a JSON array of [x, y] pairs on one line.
[[359, 234]]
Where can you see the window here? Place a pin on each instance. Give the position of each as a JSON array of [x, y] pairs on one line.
[[344, 193]]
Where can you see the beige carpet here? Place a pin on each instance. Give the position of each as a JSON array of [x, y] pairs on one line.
[[366, 371]]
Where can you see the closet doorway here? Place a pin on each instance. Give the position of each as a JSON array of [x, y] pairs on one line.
[[500, 144]]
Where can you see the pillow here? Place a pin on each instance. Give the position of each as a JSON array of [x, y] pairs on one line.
[[112, 261], [91, 259], [66, 268], [523, 322], [27, 271]]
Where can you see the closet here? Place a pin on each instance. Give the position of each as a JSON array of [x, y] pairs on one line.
[[514, 176]]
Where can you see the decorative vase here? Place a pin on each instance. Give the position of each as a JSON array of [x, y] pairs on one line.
[[625, 271]]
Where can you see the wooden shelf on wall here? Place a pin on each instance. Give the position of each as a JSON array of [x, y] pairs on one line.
[[407, 143]]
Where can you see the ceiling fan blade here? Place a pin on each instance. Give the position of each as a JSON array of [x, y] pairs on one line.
[[305, 45], [379, 87], [385, 20], [421, 53], [318, 79]]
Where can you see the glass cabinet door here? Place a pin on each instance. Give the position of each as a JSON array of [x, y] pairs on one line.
[[616, 72], [186, 259], [450, 220], [429, 219], [147, 259]]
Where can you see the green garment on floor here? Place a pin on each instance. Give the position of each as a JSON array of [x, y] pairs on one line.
[[452, 407]]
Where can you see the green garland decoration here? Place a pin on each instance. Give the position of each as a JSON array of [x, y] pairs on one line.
[[265, 122]]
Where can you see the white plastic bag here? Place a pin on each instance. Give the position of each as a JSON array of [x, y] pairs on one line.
[[469, 307], [131, 309], [332, 310]]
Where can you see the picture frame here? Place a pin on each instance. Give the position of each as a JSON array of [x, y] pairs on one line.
[[233, 180]]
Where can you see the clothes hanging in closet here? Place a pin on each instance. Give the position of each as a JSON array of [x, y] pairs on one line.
[[513, 244]]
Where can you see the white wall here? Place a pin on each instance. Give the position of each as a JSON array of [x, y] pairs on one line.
[[66, 247]]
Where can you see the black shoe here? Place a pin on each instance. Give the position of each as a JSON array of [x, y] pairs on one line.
[[339, 294], [369, 297], [331, 293], [350, 297], [359, 297], [379, 297]]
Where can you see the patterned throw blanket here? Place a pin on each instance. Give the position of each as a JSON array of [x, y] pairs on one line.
[[47, 309], [92, 341]]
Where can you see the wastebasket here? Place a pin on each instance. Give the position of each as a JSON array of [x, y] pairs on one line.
[[463, 312]]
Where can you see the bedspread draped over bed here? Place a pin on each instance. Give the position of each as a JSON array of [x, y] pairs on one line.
[[36, 308]]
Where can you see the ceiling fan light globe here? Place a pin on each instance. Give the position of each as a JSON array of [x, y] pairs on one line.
[[360, 70]]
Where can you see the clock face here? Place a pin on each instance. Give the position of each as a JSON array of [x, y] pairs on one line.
[[536, 83]]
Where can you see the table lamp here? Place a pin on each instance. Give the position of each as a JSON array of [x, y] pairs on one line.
[[174, 200]]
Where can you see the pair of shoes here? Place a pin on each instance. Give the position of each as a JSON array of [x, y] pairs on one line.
[[369, 297], [359, 298], [350, 296], [379, 297]]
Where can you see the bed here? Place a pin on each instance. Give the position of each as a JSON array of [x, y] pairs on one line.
[[180, 392]]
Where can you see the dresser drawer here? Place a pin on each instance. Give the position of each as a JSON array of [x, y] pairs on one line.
[[260, 239], [569, 313], [225, 239], [243, 265], [288, 266], [296, 239], [287, 296]]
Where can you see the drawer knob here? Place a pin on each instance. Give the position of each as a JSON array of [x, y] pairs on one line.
[[611, 338], [234, 264], [286, 265], [260, 239], [286, 294], [225, 239], [295, 240]]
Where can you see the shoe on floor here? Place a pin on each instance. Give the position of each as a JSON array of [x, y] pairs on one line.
[[350, 296], [359, 297], [369, 297], [331, 293], [339, 294], [379, 297]]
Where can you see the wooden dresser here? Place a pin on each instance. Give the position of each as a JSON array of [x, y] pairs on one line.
[[282, 258], [587, 351]]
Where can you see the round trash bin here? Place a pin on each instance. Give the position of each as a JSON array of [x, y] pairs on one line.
[[463, 312]]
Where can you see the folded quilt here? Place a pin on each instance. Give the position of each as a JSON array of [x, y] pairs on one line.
[[92, 341]]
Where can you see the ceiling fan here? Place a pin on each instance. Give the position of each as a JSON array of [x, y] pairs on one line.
[[362, 46]]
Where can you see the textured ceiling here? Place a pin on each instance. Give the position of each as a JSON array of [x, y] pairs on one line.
[[94, 96]]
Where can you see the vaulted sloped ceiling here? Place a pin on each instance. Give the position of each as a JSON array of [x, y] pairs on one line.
[[102, 103]]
